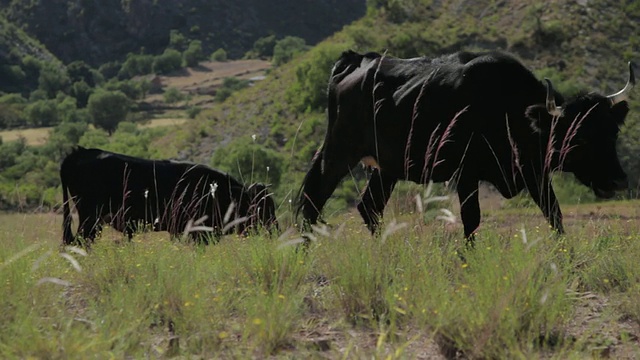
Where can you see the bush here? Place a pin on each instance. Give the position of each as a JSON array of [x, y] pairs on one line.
[[287, 48], [249, 161], [219, 55], [263, 47], [136, 64], [193, 54], [229, 85], [134, 89], [110, 70], [173, 95], [193, 111], [309, 91]]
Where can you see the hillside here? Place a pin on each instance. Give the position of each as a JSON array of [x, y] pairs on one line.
[[100, 31], [587, 50]]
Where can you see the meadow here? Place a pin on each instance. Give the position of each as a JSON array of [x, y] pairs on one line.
[[523, 292]]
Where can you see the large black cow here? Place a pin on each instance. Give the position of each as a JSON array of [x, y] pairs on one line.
[[469, 117], [129, 192]]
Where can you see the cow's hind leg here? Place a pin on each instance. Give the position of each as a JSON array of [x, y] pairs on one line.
[[375, 197], [89, 224]]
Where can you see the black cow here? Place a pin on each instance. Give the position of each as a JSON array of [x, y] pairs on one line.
[[129, 192], [469, 117]]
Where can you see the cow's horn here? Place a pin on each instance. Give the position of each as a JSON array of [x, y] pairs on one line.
[[624, 93], [551, 100]]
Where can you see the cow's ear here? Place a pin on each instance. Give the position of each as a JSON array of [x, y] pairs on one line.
[[539, 117]]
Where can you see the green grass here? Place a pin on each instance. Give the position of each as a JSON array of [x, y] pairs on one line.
[[522, 293]]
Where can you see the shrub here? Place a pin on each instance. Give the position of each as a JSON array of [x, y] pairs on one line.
[[52, 79], [219, 55], [42, 113], [193, 111], [287, 48], [136, 64], [229, 85], [172, 95], [193, 54], [263, 47], [249, 161], [169, 61], [310, 86]]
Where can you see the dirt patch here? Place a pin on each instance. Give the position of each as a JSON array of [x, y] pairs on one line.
[[202, 81], [33, 137], [603, 332]]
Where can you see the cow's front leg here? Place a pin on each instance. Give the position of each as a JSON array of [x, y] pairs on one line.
[[469, 208], [318, 185], [375, 197], [543, 195]]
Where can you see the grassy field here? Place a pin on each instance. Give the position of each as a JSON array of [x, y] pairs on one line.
[[522, 293], [39, 136]]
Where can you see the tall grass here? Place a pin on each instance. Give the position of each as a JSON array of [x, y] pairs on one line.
[[403, 294]]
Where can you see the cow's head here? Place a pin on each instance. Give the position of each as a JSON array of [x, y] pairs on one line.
[[263, 208], [585, 130]]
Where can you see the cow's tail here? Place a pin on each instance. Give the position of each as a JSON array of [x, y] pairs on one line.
[[67, 234]]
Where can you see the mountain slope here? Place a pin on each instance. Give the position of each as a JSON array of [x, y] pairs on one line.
[[587, 50], [106, 30]]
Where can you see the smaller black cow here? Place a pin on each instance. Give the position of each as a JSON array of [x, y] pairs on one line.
[[130, 192]]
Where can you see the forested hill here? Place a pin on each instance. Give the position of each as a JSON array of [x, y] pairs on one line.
[[100, 31], [580, 45]]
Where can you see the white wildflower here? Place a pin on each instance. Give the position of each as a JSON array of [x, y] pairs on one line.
[[213, 187]]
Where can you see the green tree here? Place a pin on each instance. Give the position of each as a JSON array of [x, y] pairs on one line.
[[110, 70], [12, 111], [169, 61], [287, 48], [81, 91], [52, 79], [108, 108], [80, 71], [193, 54]]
